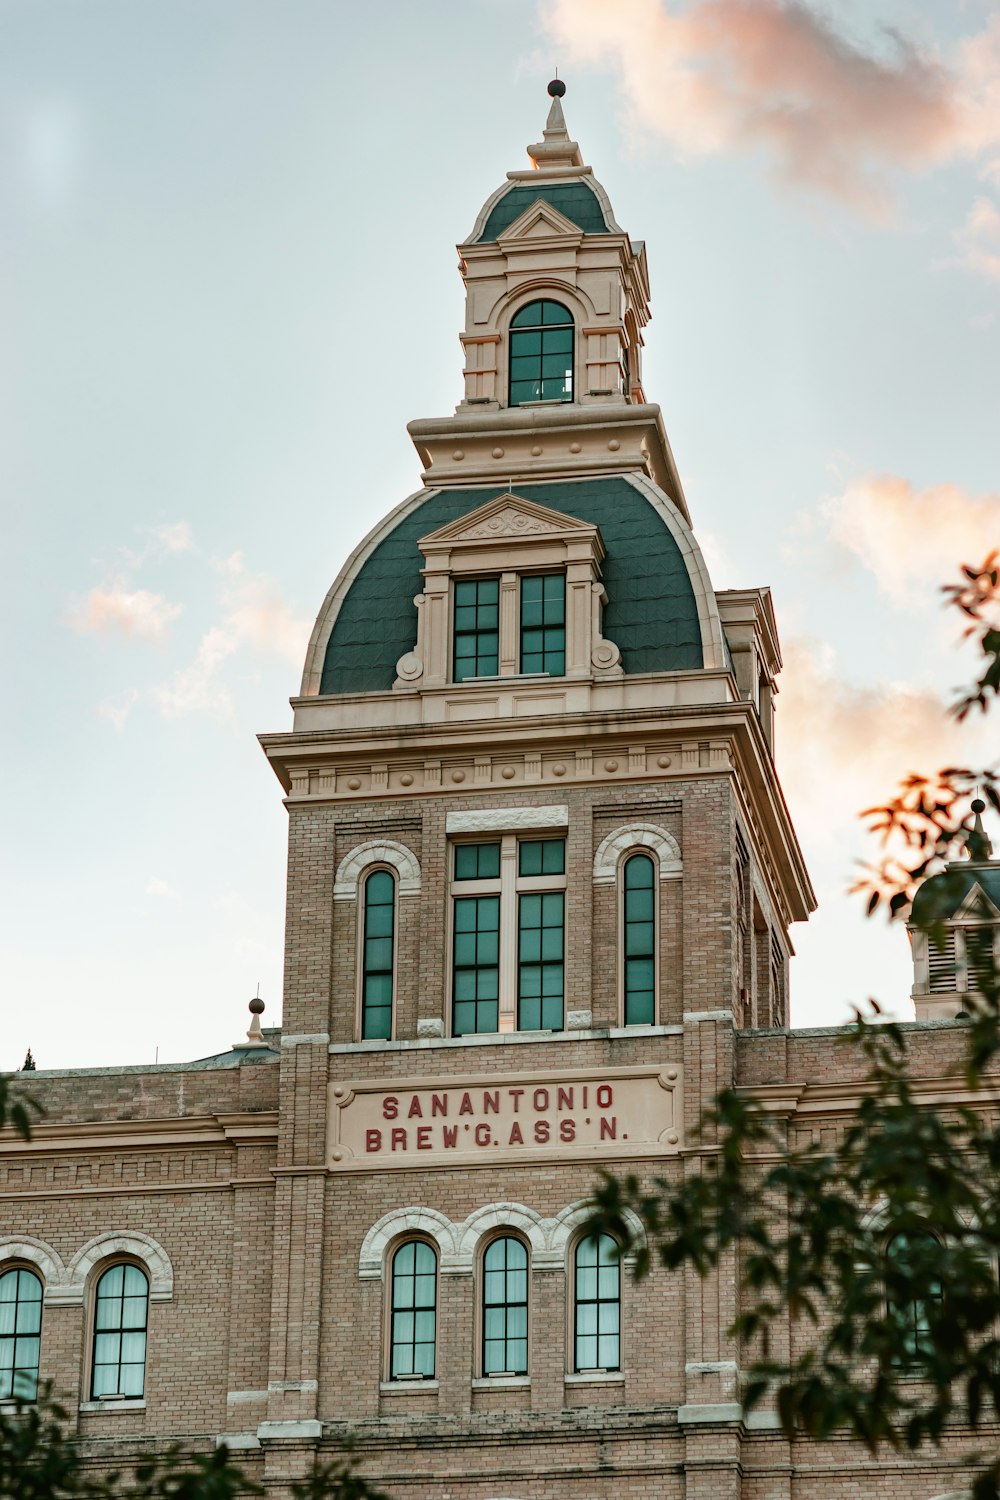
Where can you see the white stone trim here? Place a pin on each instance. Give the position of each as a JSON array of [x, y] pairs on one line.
[[399, 1222], [563, 1228], [40, 1255], [506, 819], [141, 1247], [377, 852], [649, 836], [500, 1216], [458, 1243]]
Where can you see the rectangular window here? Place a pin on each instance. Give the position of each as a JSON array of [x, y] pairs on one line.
[[543, 623], [477, 628], [508, 919]]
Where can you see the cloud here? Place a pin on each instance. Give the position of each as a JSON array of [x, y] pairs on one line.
[[978, 239], [135, 613], [255, 618], [157, 887], [117, 713], [174, 536], [910, 540], [775, 75]]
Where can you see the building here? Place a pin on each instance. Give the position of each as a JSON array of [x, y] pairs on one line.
[[540, 884]]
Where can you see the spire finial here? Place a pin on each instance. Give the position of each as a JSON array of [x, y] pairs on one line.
[[977, 842], [555, 149], [255, 1037]]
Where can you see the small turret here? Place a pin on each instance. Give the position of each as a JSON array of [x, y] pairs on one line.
[[954, 928]]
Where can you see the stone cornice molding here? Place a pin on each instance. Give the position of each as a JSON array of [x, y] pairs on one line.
[[145, 1135]]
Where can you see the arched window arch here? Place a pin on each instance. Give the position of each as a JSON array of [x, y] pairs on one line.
[[378, 944], [541, 353], [907, 1253], [413, 1311], [505, 1307], [597, 1304], [638, 940], [20, 1333], [121, 1319]]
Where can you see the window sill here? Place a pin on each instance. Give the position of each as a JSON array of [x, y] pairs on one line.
[[501, 1382], [596, 1377], [407, 1387], [124, 1403], [506, 1038]]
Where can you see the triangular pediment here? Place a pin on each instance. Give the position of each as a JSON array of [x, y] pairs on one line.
[[540, 221], [507, 518], [977, 907]]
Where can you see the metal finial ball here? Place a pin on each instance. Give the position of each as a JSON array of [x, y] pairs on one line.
[[979, 806], [256, 1006], [557, 88]]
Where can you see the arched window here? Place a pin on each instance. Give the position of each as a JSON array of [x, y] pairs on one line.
[[377, 955], [907, 1254], [505, 1308], [20, 1334], [597, 1343], [541, 353], [639, 940], [413, 1334], [121, 1307]]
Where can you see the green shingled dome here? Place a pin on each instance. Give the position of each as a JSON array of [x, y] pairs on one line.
[[651, 612], [574, 200], [940, 897]]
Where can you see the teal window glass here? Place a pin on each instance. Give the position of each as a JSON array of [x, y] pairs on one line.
[[120, 1318], [477, 861], [597, 1314], [505, 1308], [414, 1311], [477, 628], [541, 353], [377, 957], [541, 857], [20, 1334], [540, 961], [543, 623], [476, 965], [907, 1254], [639, 960]]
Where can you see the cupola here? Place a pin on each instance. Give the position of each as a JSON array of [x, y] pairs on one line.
[[954, 927]]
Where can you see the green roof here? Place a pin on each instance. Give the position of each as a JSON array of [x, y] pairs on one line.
[[940, 897], [651, 612], [576, 201]]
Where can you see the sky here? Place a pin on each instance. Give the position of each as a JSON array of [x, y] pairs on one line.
[[228, 280]]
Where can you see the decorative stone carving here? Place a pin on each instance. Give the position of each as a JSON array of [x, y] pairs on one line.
[[648, 836], [430, 1026], [509, 522], [579, 1020], [409, 669], [141, 1247], [377, 852]]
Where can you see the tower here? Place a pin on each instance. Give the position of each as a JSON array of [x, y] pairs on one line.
[[541, 877]]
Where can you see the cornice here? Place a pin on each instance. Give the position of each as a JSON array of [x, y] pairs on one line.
[[144, 1135]]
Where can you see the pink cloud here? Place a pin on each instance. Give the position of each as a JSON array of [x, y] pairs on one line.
[[911, 540], [133, 612], [775, 75], [978, 239]]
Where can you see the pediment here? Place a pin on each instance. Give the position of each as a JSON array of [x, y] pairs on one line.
[[508, 518], [540, 221], [977, 907]]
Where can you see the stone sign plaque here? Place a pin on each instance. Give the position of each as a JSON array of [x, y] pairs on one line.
[[464, 1121]]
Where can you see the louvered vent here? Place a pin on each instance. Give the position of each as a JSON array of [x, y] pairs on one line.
[[979, 957], [941, 965]]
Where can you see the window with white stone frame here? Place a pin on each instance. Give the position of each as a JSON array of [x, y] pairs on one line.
[[508, 896], [512, 589]]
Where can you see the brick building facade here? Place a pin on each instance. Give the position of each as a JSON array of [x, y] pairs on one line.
[[540, 883]]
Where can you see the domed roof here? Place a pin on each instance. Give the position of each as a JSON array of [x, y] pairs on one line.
[[651, 613], [576, 201]]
